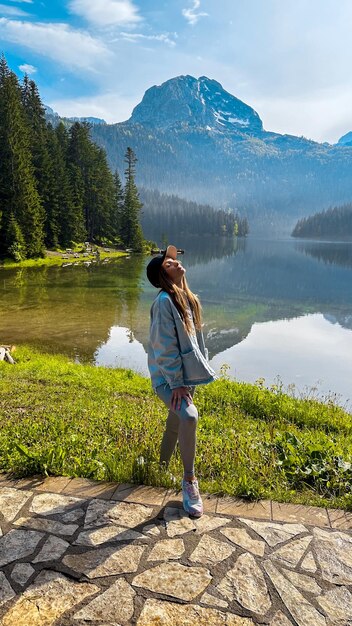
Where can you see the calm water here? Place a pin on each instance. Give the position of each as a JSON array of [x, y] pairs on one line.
[[271, 308]]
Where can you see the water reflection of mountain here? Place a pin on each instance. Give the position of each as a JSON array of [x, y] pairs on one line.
[[330, 253], [266, 280]]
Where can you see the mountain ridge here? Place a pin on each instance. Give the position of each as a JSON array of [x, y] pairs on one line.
[[195, 140]]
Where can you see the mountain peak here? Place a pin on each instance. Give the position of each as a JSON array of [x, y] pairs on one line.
[[197, 102]]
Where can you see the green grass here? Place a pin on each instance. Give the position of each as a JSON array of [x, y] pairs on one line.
[[61, 418]]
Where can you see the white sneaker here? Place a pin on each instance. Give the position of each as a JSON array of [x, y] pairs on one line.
[[192, 502]]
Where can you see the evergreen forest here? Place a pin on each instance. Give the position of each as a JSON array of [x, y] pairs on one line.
[[165, 214], [335, 222], [56, 187]]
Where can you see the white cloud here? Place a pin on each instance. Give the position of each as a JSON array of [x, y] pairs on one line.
[[22, 1], [164, 38], [111, 107], [73, 48], [192, 15], [313, 116], [12, 11], [106, 12], [26, 68]]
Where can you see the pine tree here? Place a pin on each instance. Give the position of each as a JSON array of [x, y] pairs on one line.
[[131, 231], [19, 197], [38, 141], [102, 196], [17, 246], [77, 159], [117, 209]]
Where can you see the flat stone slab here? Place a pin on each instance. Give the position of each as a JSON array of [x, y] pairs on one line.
[[105, 561], [167, 549], [173, 579], [177, 522], [52, 504], [6, 591], [291, 553], [85, 488], [301, 610], [273, 533], [341, 520], [140, 494], [43, 603], [159, 613], [309, 563], [246, 583], [72, 516], [107, 534], [207, 598], [11, 501], [207, 523], [152, 530], [113, 606], [334, 554], [303, 582], [53, 549], [297, 513], [102, 513], [54, 484], [21, 572], [18, 544], [241, 537], [47, 525], [237, 507], [337, 604], [210, 551], [280, 619]]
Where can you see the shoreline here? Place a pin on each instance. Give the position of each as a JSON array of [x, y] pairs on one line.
[[61, 258]]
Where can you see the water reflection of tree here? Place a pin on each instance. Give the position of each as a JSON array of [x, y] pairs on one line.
[[328, 253], [69, 309]]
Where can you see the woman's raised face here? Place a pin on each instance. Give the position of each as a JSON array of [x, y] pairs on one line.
[[174, 270]]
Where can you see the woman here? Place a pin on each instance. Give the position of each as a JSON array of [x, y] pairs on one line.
[[177, 361]]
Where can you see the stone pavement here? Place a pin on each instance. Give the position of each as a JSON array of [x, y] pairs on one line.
[[78, 553]]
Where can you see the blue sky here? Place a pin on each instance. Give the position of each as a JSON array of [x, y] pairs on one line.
[[289, 59]]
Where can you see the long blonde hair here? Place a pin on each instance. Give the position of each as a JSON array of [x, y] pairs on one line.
[[182, 298]]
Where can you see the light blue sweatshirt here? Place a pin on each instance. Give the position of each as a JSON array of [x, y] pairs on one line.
[[174, 356]]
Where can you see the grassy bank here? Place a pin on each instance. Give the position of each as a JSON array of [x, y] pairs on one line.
[[62, 418], [58, 258]]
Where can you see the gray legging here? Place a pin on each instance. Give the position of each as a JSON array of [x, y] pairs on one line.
[[181, 424]]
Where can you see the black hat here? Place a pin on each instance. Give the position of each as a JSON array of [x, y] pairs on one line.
[[153, 267]]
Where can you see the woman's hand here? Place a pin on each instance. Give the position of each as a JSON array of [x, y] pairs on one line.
[[179, 394]]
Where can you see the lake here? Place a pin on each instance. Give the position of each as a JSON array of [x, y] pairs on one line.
[[274, 309]]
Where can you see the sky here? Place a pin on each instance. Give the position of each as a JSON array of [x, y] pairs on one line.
[[288, 59]]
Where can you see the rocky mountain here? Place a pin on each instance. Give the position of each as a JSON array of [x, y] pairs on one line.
[[195, 102], [345, 140], [54, 118]]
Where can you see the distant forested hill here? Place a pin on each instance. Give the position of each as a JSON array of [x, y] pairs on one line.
[[163, 215], [334, 223]]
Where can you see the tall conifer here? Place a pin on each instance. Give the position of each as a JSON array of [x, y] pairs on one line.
[[19, 197], [117, 208], [131, 231], [38, 141]]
